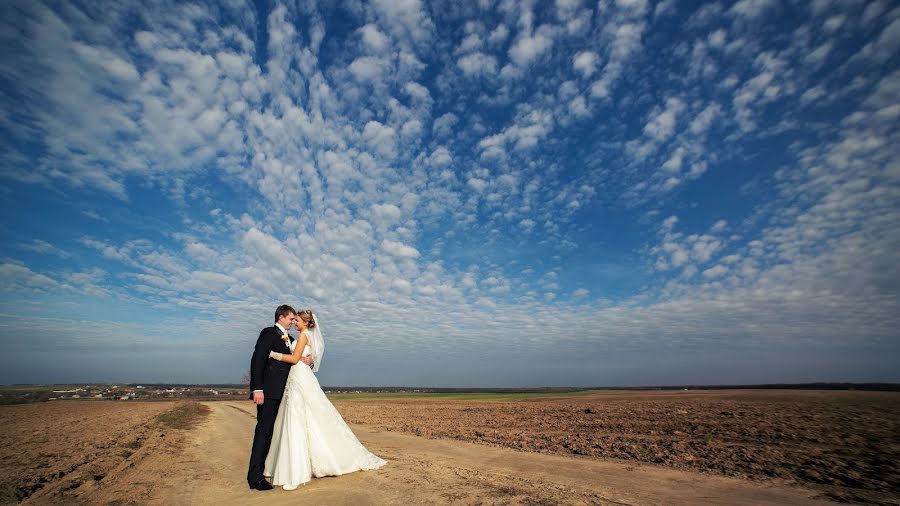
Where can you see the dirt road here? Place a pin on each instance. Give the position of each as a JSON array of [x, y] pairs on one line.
[[426, 471]]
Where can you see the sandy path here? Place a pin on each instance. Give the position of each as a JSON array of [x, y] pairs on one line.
[[425, 471]]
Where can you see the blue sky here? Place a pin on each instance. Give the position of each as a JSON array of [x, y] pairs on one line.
[[479, 193]]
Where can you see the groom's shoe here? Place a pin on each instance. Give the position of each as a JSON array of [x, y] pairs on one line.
[[261, 485]]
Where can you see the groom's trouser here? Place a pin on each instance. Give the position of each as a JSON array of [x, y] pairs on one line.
[[262, 438]]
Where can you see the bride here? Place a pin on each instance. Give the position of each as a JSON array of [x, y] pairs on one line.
[[310, 438]]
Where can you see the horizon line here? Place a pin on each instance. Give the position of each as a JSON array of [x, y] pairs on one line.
[[821, 384]]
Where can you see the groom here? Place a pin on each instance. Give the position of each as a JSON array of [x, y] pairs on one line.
[[267, 380]]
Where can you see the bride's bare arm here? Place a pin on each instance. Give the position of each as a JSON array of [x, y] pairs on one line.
[[293, 358]]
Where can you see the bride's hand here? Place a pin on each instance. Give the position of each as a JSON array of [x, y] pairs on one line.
[[277, 356]]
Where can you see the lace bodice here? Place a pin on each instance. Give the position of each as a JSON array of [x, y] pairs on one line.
[[307, 350]]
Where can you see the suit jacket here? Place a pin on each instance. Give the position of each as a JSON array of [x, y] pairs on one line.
[[268, 374]]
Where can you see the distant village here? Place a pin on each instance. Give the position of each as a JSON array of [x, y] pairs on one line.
[[19, 394], [124, 393], [39, 393]]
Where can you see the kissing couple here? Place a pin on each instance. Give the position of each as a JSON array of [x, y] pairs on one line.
[[299, 434]]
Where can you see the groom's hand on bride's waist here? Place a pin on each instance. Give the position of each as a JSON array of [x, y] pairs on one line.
[[307, 360]]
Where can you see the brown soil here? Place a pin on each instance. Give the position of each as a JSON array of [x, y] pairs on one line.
[[609, 448], [445, 471], [75, 452], [844, 444]]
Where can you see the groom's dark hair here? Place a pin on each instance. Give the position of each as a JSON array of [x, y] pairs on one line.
[[283, 310]]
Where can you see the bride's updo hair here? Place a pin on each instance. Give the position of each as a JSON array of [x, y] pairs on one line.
[[306, 316]]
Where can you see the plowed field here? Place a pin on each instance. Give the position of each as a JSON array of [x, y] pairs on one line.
[[846, 444]]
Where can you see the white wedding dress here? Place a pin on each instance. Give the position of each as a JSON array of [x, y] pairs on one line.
[[310, 438]]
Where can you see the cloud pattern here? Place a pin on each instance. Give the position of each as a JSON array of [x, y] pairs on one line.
[[483, 193]]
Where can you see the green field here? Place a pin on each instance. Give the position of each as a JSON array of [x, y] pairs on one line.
[[458, 396]]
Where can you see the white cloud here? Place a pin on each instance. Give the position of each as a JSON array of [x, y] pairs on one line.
[[374, 39], [200, 251], [528, 47], [752, 8], [15, 277], [204, 281], [386, 214], [753, 93], [525, 134], [578, 106], [443, 125], [368, 68], [567, 90], [834, 23], [472, 42], [566, 9], [585, 62], [273, 253], [716, 39], [418, 91], [812, 95], [885, 46], [673, 164], [477, 64], [399, 249], [405, 17], [121, 254], [873, 11], [107, 62], [636, 7], [412, 129], [440, 157], [817, 57], [670, 182], [704, 120], [381, 138], [715, 272], [499, 34], [476, 184], [661, 125], [704, 247], [44, 247], [626, 42]]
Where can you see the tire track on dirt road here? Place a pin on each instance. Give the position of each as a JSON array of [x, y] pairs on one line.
[[428, 471]]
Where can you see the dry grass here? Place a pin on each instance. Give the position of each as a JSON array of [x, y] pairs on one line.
[[184, 415]]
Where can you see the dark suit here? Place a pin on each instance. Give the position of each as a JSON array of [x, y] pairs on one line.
[[270, 376]]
